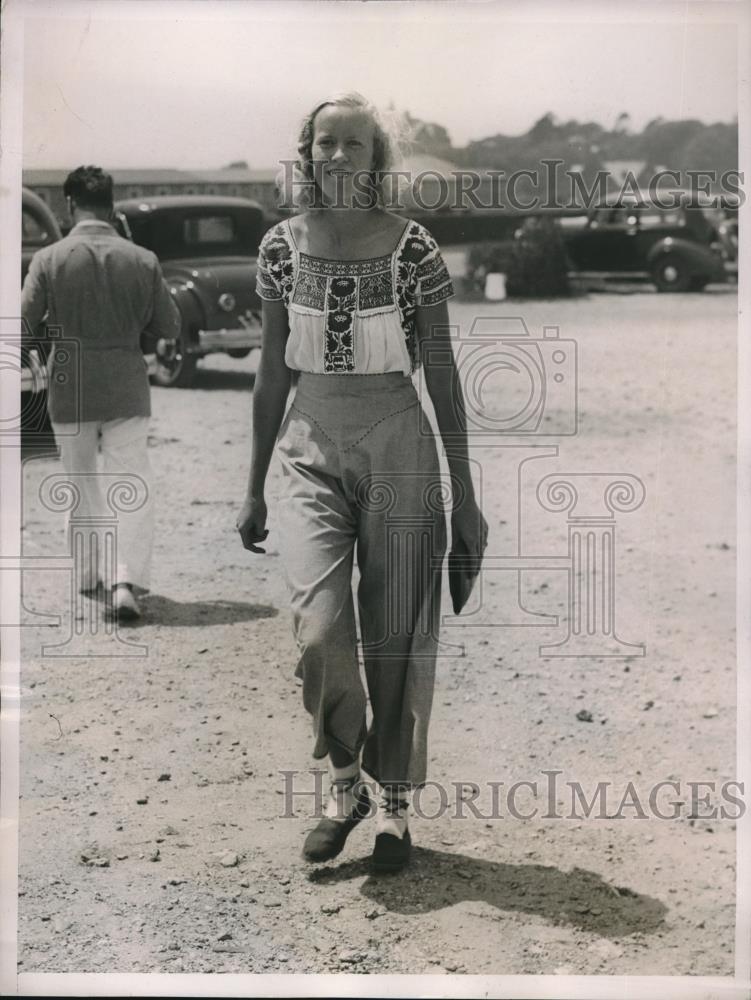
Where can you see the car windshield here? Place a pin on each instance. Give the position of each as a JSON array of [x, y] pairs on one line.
[[184, 233]]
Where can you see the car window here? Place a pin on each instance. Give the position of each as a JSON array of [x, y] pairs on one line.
[[572, 222], [209, 229], [177, 233], [667, 218], [33, 230], [134, 227]]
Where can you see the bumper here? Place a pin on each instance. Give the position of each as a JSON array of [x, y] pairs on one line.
[[210, 341], [246, 335], [34, 375]]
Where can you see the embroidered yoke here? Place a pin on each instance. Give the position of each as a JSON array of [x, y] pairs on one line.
[[353, 317]]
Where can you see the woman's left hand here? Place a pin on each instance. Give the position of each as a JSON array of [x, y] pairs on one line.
[[469, 529]]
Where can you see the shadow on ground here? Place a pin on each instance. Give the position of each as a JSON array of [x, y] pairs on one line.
[[159, 610], [436, 879]]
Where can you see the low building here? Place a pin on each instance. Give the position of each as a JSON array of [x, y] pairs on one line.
[[136, 183]]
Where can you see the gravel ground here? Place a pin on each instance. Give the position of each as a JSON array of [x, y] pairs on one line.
[[151, 829]]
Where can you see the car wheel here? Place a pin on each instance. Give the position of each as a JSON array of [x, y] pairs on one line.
[[697, 284], [239, 352], [670, 274], [179, 372]]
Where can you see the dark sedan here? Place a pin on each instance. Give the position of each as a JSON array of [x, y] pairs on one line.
[[679, 249], [207, 246]]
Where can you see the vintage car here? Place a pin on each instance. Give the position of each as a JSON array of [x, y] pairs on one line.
[[207, 246], [39, 228], [726, 221], [678, 249]]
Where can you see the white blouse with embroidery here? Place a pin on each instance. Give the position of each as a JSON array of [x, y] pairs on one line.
[[353, 317]]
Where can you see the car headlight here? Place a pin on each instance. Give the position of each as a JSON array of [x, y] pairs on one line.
[[227, 301]]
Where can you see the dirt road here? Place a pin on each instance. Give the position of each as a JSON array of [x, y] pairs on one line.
[[152, 830]]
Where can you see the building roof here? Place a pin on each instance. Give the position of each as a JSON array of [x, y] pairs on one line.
[[235, 175], [148, 203], [52, 177]]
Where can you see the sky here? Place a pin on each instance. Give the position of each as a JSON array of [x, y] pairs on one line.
[[202, 84]]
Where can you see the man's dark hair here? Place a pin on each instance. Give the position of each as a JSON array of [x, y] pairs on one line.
[[89, 187]]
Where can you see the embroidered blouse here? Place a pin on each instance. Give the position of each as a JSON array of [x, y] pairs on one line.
[[353, 317]]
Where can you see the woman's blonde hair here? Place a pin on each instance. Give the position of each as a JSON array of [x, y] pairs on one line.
[[298, 187]]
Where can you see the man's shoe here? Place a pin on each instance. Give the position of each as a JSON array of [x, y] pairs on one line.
[[123, 607], [326, 840]]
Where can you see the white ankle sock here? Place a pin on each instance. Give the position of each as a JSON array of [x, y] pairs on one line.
[[393, 814], [342, 773], [342, 800]]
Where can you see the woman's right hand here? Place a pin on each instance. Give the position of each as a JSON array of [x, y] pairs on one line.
[[251, 523]]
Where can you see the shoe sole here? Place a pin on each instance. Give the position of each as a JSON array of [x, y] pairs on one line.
[[320, 861], [390, 868]]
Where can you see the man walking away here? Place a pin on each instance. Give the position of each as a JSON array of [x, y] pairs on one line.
[[106, 293]]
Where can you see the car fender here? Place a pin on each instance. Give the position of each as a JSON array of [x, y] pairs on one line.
[[45, 217], [699, 259], [42, 212], [207, 280], [192, 311]]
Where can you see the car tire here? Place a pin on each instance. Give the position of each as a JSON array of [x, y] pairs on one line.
[[670, 274], [239, 352], [697, 284], [179, 373]]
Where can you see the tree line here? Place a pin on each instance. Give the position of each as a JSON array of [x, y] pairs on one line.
[[682, 145]]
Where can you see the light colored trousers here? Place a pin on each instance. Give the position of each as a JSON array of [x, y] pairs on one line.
[[361, 476], [124, 453]]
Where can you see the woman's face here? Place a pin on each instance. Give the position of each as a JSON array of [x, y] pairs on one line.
[[342, 149]]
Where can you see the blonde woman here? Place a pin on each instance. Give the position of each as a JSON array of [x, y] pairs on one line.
[[351, 295]]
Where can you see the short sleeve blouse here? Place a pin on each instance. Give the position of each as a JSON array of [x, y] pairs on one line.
[[353, 317]]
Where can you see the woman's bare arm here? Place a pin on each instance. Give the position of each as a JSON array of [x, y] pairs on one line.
[[269, 395], [269, 401]]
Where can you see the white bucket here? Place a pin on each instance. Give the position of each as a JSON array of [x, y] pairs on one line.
[[495, 287]]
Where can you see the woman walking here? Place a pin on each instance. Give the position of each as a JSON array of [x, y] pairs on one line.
[[351, 296]]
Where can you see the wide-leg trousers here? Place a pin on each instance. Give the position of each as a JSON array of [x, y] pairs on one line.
[[124, 453], [362, 478]]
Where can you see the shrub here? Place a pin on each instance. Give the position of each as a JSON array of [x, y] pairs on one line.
[[534, 262], [539, 268], [488, 258]]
